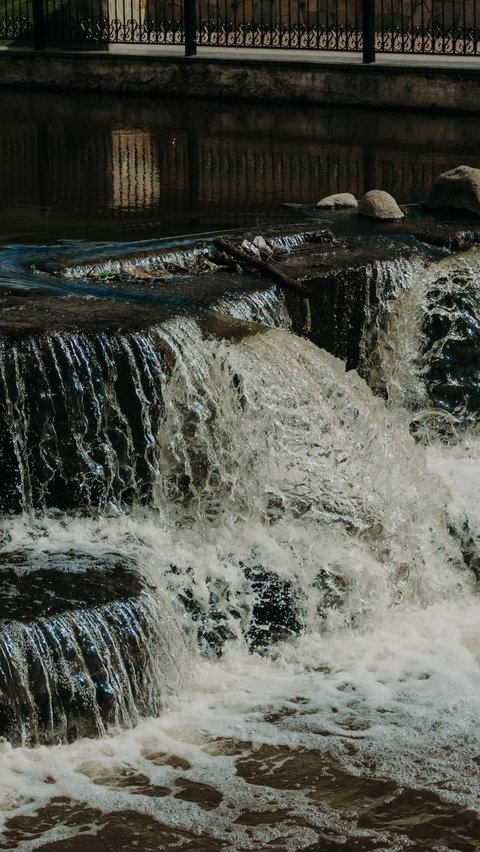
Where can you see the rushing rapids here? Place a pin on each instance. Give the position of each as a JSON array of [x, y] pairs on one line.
[[306, 606]]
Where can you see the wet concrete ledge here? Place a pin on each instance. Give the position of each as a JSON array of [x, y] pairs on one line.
[[258, 75]]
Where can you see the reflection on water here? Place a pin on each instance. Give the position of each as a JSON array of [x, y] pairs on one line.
[[135, 170], [82, 165]]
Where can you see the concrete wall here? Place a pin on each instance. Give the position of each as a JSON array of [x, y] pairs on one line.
[[349, 83]]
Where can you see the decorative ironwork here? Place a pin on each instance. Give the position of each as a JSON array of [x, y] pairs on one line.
[[16, 21], [279, 36], [437, 27]]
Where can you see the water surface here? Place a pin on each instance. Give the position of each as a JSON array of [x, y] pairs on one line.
[[97, 167]]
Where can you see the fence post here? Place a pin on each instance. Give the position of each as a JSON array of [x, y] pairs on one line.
[[190, 23], [368, 29], [38, 18]]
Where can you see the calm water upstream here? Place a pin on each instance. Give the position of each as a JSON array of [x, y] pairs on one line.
[[104, 168], [238, 590]]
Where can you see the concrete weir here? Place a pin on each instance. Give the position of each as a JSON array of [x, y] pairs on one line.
[[434, 83]]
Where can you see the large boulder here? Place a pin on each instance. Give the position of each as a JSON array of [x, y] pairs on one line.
[[458, 189], [339, 201], [380, 205]]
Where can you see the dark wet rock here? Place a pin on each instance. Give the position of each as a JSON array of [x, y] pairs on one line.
[[454, 234], [456, 190], [338, 201], [451, 353], [378, 204], [470, 547], [444, 237], [25, 317], [342, 283], [78, 635], [266, 611], [440, 229], [43, 585], [275, 613]]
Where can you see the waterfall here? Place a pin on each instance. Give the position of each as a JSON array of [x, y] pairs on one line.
[[233, 573], [270, 433], [81, 413], [85, 646], [79, 417], [209, 427], [205, 429], [426, 354], [389, 284]]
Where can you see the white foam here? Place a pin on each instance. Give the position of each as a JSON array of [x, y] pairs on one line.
[[398, 701]]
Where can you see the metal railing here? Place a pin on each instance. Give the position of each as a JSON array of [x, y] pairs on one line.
[[439, 27], [16, 21]]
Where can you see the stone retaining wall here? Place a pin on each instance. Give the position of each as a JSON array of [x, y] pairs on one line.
[[265, 79]]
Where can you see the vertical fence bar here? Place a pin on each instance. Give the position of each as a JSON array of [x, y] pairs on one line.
[[38, 16], [476, 32], [368, 27], [190, 18]]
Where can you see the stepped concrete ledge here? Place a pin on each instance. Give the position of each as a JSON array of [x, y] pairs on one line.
[[394, 81]]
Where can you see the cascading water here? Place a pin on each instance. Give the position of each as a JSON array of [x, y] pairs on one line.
[[426, 350], [426, 361], [83, 648], [302, 539]]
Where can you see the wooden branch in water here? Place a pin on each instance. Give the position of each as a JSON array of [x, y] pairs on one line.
[[261, 266], [306, 315], [275, 275]]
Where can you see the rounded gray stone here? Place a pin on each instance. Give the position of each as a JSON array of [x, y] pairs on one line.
[[378, 204], [338, 201], [457, 189]]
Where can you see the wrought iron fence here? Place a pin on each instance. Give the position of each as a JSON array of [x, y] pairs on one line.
[[448, 27], [299, 24], [16, 20], [91, 22]]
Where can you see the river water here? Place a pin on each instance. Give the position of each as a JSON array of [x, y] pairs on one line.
[[309, 549]]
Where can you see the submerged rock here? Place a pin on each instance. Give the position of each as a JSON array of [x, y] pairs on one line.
[[378, 204], [338, 201], [458, 189]]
